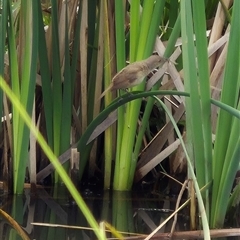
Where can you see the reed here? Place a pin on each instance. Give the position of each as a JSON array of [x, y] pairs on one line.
[[75, 58]]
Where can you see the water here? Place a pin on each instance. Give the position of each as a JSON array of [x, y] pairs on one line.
[[127, 212], [52, 214]]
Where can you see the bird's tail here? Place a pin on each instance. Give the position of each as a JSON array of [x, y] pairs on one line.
[[104, 93]]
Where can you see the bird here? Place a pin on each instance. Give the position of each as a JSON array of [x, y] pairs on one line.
[[133, 74]]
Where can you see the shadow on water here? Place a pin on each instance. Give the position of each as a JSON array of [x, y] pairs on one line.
[[51, 214]]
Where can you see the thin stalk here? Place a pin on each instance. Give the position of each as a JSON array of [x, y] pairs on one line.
[[233, 111], [145, 29], [108, 148], [173, 14], [14, 78], [121, 61], [56, 83], [122, 212], [67, 93], [134, 30], [93, 53], [46, 79], [229, 172], [75, 50], [191, 85], [204, 92], [3, 30], [83, 106], [28, 54]]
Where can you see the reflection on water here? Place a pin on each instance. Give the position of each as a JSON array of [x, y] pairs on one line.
[[125, 211]]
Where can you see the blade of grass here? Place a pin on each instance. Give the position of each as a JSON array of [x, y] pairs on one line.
[[56, 83], [28, 56], [108, 149], [67, 95], [76, 40], [191, 85], [14, 77], [96, 79], [3, 30], [234, 112], [83, 66], [204, 94], [173, 12], [96, 63], [192, 175], [134, 30], [121, 62], [229, 171], [46, 79], [145, 30]]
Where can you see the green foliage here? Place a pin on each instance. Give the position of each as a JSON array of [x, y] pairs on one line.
[[81, 51], [49, 153], [227, 142], [23, 83], [196, 82], [222, 168], [142, 38]]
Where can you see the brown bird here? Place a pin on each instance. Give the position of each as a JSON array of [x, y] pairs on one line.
[[133, 74]]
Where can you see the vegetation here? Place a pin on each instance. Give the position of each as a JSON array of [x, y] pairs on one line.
[[58, 57]]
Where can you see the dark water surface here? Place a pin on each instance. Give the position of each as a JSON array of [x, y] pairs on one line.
[[127, 212]]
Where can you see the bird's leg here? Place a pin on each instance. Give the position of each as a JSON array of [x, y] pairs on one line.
[[127, 91]]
